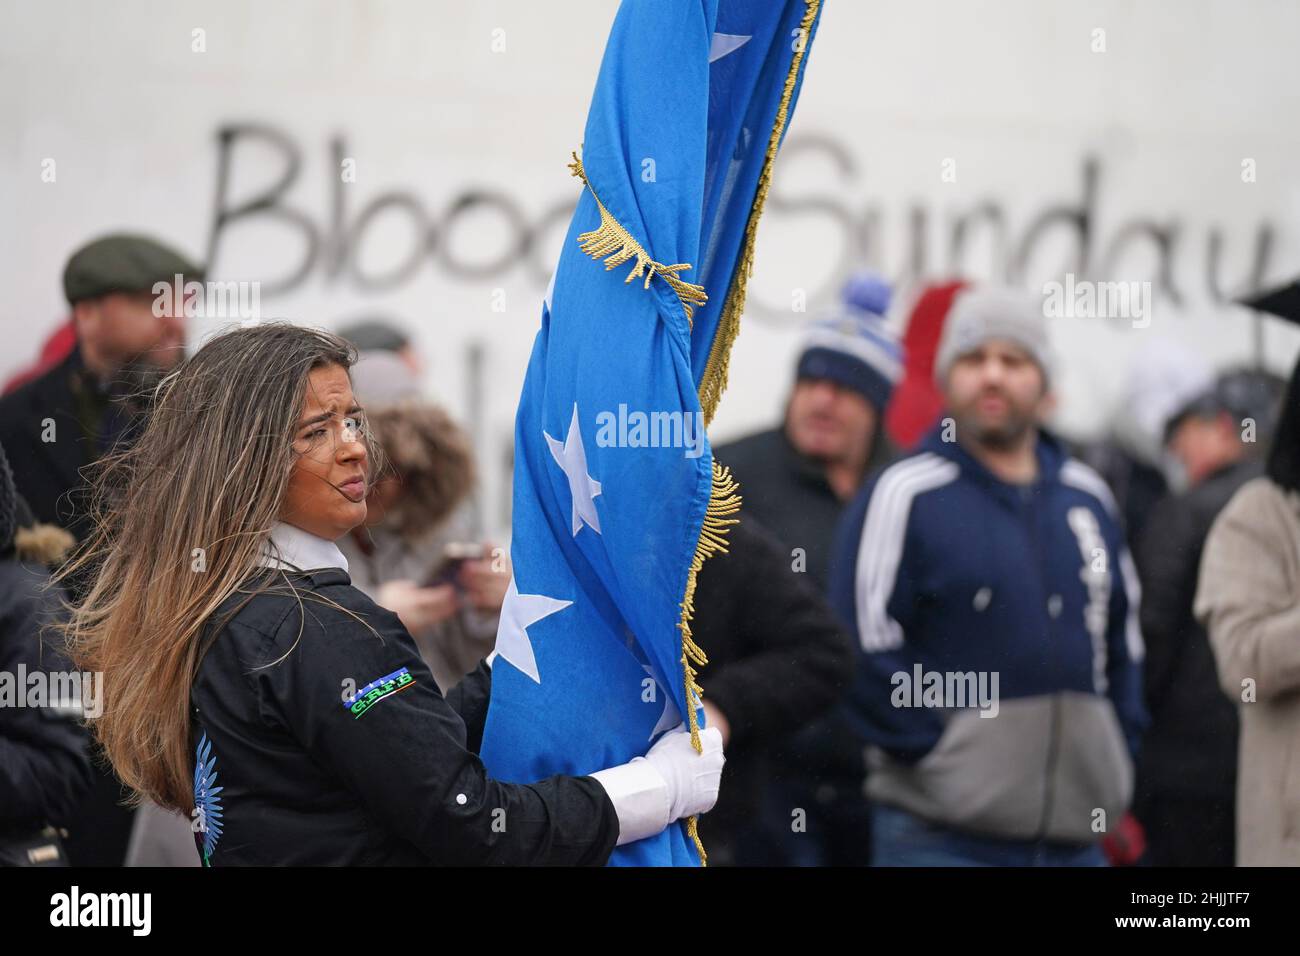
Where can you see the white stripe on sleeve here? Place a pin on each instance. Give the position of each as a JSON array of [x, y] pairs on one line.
[[880, 550], [1078, 475]]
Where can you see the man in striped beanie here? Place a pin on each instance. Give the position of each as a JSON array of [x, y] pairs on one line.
[[796, 479]]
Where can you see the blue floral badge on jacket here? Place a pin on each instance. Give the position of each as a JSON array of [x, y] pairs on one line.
[[207, 803]]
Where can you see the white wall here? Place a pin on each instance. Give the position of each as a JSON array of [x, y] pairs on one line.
[[1011, 91]]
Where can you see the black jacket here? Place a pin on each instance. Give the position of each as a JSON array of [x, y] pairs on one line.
[[1191, 746], [292, 773], [788, 493], [84, 418], [777, 654], [44, 763], [87, 419], [778, 659], [47, 473]]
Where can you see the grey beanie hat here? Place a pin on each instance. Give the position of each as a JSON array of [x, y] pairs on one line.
[[380, 378], [983, 313]]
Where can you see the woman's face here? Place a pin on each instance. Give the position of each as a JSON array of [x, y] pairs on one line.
[[327, 487]]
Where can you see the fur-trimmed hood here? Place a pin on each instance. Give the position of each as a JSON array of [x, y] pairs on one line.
[[21, 535], [431, 456]]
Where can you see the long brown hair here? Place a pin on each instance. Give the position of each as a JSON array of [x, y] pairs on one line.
[[181, 519]]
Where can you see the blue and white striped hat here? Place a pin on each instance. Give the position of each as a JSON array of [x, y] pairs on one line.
[[853, 346]]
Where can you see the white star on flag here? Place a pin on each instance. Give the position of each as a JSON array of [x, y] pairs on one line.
[[572, 459], [518, 613], [550, 290], [724, 43]]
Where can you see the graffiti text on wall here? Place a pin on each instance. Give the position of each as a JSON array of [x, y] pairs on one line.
[[332, 242]]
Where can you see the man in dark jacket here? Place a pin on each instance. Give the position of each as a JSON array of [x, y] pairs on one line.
[[57, 424], [44, 766], [1187, 774], [986, 576], [67, 418], [778, 659], [796, 480]]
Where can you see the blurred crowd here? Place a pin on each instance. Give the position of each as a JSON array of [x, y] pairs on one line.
[[942, 634]]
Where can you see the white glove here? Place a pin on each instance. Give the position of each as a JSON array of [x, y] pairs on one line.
[[672, 781], [692, 778]]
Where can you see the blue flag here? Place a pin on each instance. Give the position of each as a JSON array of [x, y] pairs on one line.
[[617, 501]]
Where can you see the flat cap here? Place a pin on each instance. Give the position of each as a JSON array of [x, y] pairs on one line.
[[375, 335], [123, 263]]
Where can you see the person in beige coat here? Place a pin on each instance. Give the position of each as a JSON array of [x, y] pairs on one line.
[[1248, 599]]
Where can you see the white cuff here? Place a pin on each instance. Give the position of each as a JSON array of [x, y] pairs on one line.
[[640, 797]]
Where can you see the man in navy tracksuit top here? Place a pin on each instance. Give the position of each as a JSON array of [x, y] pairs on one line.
[[995, 611]]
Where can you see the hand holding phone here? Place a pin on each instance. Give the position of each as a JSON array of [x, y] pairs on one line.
[[420, 608], [454, 556]]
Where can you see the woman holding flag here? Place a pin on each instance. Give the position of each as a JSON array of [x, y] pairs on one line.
[[251, 687]]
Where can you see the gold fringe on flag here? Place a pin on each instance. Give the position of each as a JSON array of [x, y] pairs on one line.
[[616, 245], [714, 381], [724, 500]]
